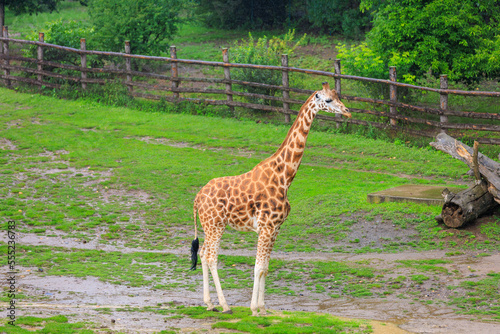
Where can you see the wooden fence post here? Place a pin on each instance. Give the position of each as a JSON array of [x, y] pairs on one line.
[[227, 77], [175, 83], [39, 66], [83, 59], [338, 86], [286, 84], [128, 67], [443, 99], [393, 94], [6, 54]]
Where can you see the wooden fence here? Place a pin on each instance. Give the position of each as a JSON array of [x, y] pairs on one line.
[[398, 117]]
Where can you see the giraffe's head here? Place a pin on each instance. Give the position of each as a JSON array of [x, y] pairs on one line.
[[328, 100]]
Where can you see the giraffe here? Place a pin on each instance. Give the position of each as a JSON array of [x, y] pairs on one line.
[[255, 201]]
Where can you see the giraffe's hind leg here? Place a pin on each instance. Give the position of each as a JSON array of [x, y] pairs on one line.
[[209, 257], [206, 285]]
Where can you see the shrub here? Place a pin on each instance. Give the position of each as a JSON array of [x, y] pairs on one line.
[[264, 51], [231, 14], [438, 36], [361, 60], [338, 16], [65, 33], [147, 24]]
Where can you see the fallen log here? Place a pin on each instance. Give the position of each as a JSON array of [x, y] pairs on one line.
[[466, 206]]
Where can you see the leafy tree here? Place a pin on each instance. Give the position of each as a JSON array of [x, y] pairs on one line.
[[26, 6], [337, 16], [147, 24], [249, 14], [325, 16], [441, 36]]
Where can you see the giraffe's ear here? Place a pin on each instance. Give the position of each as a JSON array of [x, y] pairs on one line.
[[326, 86]]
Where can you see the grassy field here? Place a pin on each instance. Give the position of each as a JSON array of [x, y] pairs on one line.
[[125, 179]]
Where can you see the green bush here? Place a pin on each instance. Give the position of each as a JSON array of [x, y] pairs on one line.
[[361, 60], [230, 14], [264, 51], [147, 24], [438, 36], [337, 16], [65, 33]]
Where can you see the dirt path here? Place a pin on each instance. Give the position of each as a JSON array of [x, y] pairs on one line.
[[118, 308]]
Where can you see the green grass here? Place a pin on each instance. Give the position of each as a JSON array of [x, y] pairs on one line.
[[426, 265], [286, 322], [480, 297], [27, 25], [86, 166], [54, 325], [88, 171]]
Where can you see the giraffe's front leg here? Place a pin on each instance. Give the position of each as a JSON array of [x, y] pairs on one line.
[[257, 305], [258, 276], [264, 248]]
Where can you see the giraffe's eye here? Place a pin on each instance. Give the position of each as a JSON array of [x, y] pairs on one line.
[[317, 96], [328, 101]]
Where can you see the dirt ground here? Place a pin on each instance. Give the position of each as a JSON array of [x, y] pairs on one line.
[[85, 299]]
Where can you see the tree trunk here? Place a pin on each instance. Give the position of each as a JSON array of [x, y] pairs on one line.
[[467, 205], [488, 168], [2, 16]]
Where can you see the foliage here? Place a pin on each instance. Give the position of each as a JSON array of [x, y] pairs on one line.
[[337, 16], [65, 33], [26, 6], [437, 36], [361, 60], [264, 51], [147, 24], [324, 16], [234, 14]]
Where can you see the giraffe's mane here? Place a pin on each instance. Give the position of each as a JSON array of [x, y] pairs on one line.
[[292, 128]]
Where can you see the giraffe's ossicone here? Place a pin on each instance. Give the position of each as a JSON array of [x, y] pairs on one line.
[[256, 201]]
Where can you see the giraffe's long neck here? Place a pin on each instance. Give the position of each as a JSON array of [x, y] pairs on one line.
[[286, 160]]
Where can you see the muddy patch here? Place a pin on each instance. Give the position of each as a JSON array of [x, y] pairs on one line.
[[88, 129], [6, 144], [119, 308], [17, 123], [227, 150]]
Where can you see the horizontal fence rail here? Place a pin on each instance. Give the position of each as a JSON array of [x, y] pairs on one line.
[[168, 86]]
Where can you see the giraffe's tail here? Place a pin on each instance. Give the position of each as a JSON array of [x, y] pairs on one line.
[[195, 245]]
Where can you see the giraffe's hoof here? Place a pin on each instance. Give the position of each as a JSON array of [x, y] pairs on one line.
[[213, 310], [228, 312]]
